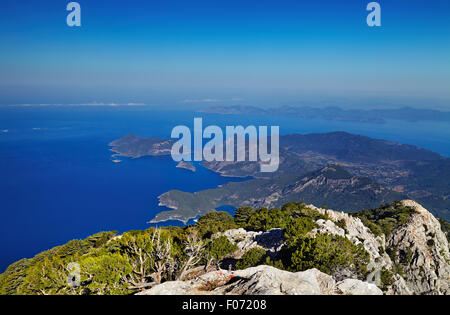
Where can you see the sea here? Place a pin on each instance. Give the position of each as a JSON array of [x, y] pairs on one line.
[[58, 180]]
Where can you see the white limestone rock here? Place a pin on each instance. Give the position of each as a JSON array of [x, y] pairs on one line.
[[357, 287]]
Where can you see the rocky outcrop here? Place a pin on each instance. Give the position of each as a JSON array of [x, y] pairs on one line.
[[418, 261], [271, 240], [353, 229], [399, 287], [419, 249], [357, 287], [422, 250], [265, 280]]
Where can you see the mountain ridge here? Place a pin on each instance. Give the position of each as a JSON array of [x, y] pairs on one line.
[[332, 186], [411, 258], [335, 113], [397, 249]]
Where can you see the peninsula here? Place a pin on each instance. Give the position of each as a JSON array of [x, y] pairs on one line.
[[376, 171]]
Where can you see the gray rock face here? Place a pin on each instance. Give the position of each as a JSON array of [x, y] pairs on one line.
[[169, 288], [271, 240], [399, 287], [265, 280], [356, 232], [419, 247], [356, 287], [423, 250]]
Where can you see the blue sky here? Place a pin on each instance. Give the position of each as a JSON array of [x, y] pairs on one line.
[[165, 52]]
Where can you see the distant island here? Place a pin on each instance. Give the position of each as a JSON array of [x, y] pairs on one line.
[[338, 169], [378, 116], [135, 147]]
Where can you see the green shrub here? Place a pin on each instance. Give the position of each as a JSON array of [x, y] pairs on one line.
[[445, 227], [100, 239], [253, 257], [405, 257], [386, 218], [106, 274], [12, 279], [341, 223], [298, 227], [220, 247], [264, 219], [386, 278], [214, 222], [48, 265], [328, 253], [373, 227], [242, 215], [392, 252], [274, 263], [296, 210], [47, 277], [397, 268]]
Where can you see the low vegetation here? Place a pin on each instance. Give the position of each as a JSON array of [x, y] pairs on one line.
[[327, 253], [254, 257], [445, 226], [385, 219], [107, 263]]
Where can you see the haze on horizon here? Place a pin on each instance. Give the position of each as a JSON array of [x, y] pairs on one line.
[[193, 53]]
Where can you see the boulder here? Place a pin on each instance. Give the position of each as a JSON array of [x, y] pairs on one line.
[[357, 287], [264, 280]]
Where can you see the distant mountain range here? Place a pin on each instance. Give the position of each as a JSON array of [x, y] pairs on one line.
[[336, 113], [340, 170]]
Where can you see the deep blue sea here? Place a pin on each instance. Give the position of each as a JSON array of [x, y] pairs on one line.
[[58, 181]]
